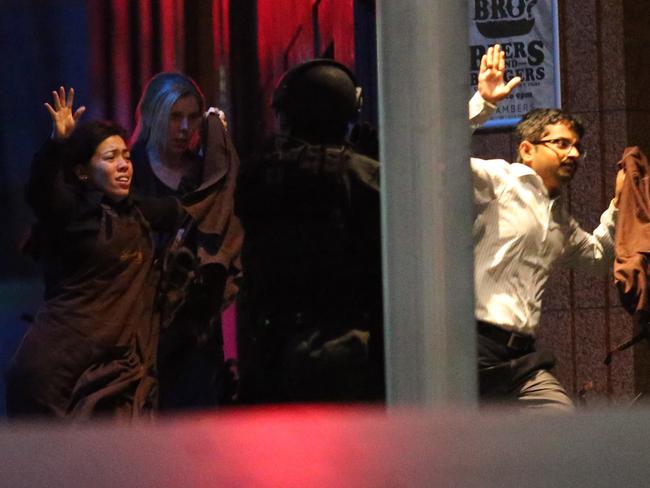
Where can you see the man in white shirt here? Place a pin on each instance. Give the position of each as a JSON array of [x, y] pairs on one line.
[[521, 230]]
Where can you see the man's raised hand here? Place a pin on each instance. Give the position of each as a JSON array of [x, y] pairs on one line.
[[491, 83]]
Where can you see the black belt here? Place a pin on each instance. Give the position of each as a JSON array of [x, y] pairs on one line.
[[512, 340]]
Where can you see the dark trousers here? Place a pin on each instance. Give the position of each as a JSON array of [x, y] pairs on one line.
[[505, 360]]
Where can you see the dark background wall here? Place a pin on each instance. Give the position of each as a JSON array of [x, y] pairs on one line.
[[43, 45]]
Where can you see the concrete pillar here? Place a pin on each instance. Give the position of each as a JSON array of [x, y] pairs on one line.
[[426, 202]]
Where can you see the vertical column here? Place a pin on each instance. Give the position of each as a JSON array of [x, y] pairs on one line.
[[426, 203]]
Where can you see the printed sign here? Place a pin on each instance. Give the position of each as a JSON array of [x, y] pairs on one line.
[[528, 32]]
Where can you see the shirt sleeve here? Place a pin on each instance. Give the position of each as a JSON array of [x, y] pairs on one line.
[[593, 250], [483, 172], [479, 110], [487, 177]]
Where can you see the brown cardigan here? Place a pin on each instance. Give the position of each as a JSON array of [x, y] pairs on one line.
[[633, 234], [211, 205]]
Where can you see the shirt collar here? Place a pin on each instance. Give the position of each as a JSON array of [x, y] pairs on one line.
[[524, 172]]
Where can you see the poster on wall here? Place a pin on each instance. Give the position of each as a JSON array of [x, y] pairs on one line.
[[528, 32]]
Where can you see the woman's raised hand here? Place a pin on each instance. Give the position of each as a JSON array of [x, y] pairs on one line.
[[64, 120]]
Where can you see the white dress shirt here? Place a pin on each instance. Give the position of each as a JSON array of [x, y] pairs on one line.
[[519, 234]]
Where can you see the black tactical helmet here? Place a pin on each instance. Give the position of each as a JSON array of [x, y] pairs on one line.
[[317, 97]]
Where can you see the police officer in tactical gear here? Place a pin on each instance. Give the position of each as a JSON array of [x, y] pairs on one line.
[[310, 316]]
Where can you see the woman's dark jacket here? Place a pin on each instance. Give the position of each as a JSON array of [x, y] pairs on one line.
[[92, 347]]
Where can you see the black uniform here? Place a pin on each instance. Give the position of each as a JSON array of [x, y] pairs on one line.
[[310, 321]]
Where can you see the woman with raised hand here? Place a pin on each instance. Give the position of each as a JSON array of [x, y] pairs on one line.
[[91, 350]]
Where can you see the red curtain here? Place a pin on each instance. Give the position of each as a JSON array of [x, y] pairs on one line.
[[131, 40], [290, 32]]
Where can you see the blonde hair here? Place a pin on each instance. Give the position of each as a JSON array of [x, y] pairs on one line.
[[155, 106]]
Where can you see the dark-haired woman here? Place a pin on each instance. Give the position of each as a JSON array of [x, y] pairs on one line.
[[92, 348]]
